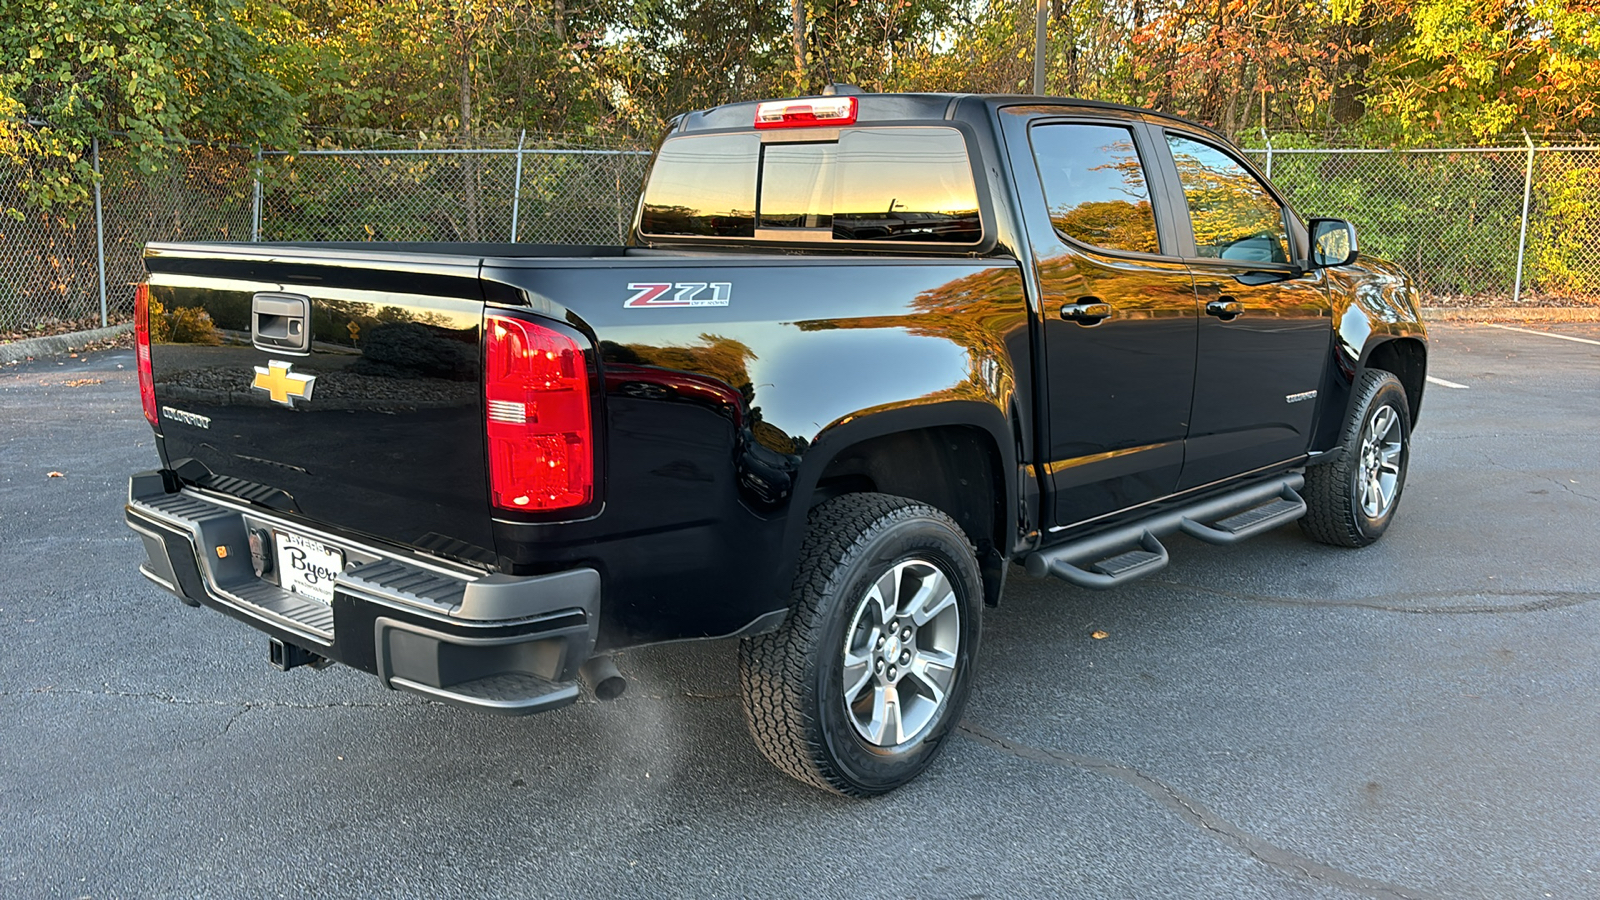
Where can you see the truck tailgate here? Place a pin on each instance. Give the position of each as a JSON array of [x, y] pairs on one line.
[[344, 388]]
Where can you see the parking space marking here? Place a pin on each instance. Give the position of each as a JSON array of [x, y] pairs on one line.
[[1551, 334], [1442, 383]]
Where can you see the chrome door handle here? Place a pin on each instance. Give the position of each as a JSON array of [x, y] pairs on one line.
[[1086, 313], [1225, 309]]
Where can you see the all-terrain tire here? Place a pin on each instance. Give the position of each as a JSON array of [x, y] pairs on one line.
[[1351, 501], [858, 550]]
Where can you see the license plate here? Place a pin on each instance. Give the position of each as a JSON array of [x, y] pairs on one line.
[[307, 567]]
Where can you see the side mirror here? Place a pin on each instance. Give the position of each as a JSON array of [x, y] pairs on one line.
[[1333, 243]]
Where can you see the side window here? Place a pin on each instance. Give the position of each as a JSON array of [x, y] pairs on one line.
[[1233, 215], [1095, 187]]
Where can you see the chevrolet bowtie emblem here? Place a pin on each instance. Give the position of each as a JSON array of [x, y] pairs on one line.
[[282, 384]]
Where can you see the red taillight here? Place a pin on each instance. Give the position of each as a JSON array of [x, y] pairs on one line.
[[541, 439], [801, 113], [141, 339]]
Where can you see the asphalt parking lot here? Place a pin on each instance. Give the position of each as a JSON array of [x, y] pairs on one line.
[[1277, 720]]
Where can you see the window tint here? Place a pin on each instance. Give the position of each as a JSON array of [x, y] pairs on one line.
[[873, 184], [1094, 186], [887, 184], [905, 184], [703, 186], [797, 185], [1233, 215]]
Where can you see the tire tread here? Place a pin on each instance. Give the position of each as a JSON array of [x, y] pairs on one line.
[[775, 669], [1330, 508]]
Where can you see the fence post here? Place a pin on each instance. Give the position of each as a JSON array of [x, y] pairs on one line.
[[1527, 197], [516, 190], [99, 230], [255, 200], [1268, 141]]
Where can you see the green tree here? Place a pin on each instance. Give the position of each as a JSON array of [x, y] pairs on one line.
[[154, 75]]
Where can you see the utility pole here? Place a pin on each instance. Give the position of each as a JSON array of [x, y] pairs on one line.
[[1041, 22]]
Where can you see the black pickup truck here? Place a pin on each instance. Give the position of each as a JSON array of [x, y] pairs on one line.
[[860, 354]]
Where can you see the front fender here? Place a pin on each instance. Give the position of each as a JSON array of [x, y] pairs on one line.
[[1374, 303]]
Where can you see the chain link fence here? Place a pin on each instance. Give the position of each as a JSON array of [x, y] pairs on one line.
[[1516, 223], [1487, 223], [539, 195], [79, 265]]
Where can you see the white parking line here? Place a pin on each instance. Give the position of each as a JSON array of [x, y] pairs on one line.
[[1564, 337], [1442, 383]]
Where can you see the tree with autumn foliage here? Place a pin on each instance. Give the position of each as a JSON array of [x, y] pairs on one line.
[[285, 72]]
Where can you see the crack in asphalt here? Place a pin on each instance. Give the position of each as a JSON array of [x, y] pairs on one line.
[[1565, 486], [1551, 600], [1193, 812]]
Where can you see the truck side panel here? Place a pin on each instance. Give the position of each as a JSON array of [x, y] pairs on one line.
[[718, 416]]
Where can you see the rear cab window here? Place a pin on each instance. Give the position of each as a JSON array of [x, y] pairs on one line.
[[894, 184]]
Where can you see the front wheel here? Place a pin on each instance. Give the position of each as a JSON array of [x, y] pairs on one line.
[[1351, 501], [859, 688]]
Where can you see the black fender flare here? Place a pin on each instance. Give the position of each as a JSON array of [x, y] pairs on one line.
[[857, 428]]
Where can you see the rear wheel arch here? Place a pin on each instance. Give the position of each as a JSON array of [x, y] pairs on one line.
[[954, 462]]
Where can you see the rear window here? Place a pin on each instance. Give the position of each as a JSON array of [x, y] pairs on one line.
[[704, 186], [881, 184]]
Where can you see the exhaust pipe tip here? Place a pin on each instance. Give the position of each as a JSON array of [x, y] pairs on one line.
[[601, 677]]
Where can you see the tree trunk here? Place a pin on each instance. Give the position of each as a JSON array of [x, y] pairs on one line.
[[797, 16], [558, 15]]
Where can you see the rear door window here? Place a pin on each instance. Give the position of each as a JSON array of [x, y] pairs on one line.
[[1095, 186]]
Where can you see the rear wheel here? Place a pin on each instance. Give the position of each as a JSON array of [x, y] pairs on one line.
[[859, 688], [1351, 501]]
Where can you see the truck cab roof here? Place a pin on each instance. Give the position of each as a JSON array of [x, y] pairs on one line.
[[882, 108]]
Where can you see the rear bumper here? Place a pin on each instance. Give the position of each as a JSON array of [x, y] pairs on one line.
[[497, 643]]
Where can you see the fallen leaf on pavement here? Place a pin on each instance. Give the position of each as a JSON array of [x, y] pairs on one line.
[[1100, 635], [56, 475]]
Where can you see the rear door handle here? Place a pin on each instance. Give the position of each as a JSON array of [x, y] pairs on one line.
[[1225, 309], [1088, 312]]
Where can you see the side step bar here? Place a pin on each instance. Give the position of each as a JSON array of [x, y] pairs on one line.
[[1134, 551]]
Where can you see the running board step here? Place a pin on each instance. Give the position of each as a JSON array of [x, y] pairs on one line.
[[1249, 523], [1133, 551]]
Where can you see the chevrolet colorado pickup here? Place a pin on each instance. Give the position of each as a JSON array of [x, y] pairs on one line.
[[860, 354]]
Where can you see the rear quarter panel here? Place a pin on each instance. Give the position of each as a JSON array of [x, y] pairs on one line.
[[718, 420]]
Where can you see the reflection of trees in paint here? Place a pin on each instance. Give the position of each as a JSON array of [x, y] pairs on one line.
[[976, 312], [722, 358], [719, 365]]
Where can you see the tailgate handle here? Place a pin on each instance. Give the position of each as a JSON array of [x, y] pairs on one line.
[[281, 322]]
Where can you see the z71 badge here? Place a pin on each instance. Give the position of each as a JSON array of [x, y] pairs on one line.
[[683, 293]]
